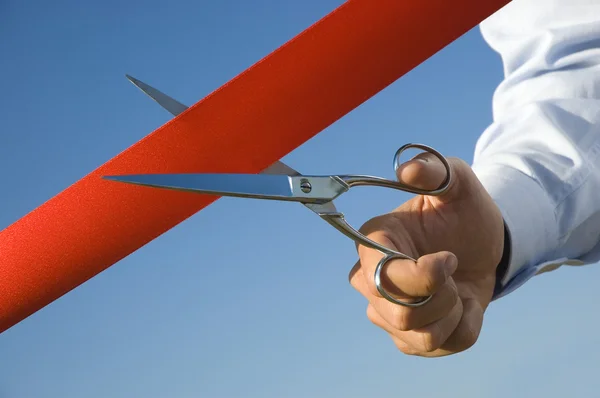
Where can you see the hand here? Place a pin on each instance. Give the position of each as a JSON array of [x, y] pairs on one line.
[[458, 241]]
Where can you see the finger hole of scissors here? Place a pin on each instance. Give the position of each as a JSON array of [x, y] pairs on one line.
[[423, 154], [384, 293]]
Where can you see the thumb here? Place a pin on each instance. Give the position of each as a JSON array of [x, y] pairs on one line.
[[426, 171]]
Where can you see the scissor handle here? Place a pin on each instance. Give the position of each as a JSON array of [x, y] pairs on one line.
[[364, 180], [337, 220], [444, 185]]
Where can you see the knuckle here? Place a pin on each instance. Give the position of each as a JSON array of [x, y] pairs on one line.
[[403, 319], [372, 315], [355, 283], [354, 273], [371, 226], [352, 279], [458, 162], [403, 348], [380, 228], [461, 170], [432, 339], [469, 340], [458, 165]]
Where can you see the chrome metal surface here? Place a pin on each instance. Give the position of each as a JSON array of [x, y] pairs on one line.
[[175, 108], [443, 186], [256, 186], [171, 105], [379, 284], [284, 183]]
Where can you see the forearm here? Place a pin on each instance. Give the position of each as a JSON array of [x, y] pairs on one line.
[[540, 159]]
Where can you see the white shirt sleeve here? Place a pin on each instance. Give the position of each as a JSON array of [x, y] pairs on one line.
[[540, 158]]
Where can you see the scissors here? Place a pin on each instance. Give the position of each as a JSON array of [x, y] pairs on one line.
[[281, 182]]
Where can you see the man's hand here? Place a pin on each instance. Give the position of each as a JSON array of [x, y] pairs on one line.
[[457, 239]]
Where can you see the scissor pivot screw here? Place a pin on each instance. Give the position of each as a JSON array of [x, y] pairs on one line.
[[305, 186]]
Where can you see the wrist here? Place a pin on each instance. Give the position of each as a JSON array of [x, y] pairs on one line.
[[529, 219], [502, 267]]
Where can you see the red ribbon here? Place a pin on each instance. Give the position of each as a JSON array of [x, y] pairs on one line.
[[245, 126]]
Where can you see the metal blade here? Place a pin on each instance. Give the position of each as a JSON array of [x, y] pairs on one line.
[[175, 107], [314, 189], [172, 106]]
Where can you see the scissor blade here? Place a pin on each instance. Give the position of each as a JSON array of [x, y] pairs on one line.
[[171, 105], [258, 186], [175, 107]]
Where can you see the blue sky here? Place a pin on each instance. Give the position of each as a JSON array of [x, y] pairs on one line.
[[248, 298]]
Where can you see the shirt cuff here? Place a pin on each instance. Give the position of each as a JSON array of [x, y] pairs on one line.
[[529, 218]]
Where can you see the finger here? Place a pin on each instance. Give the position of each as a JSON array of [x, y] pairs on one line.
[[354, 272], [464, 336], [424, 171], [423, 278], [403, 318], [467, 332], [426, 339], [400, 344], [405, 348], [402, 278]]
